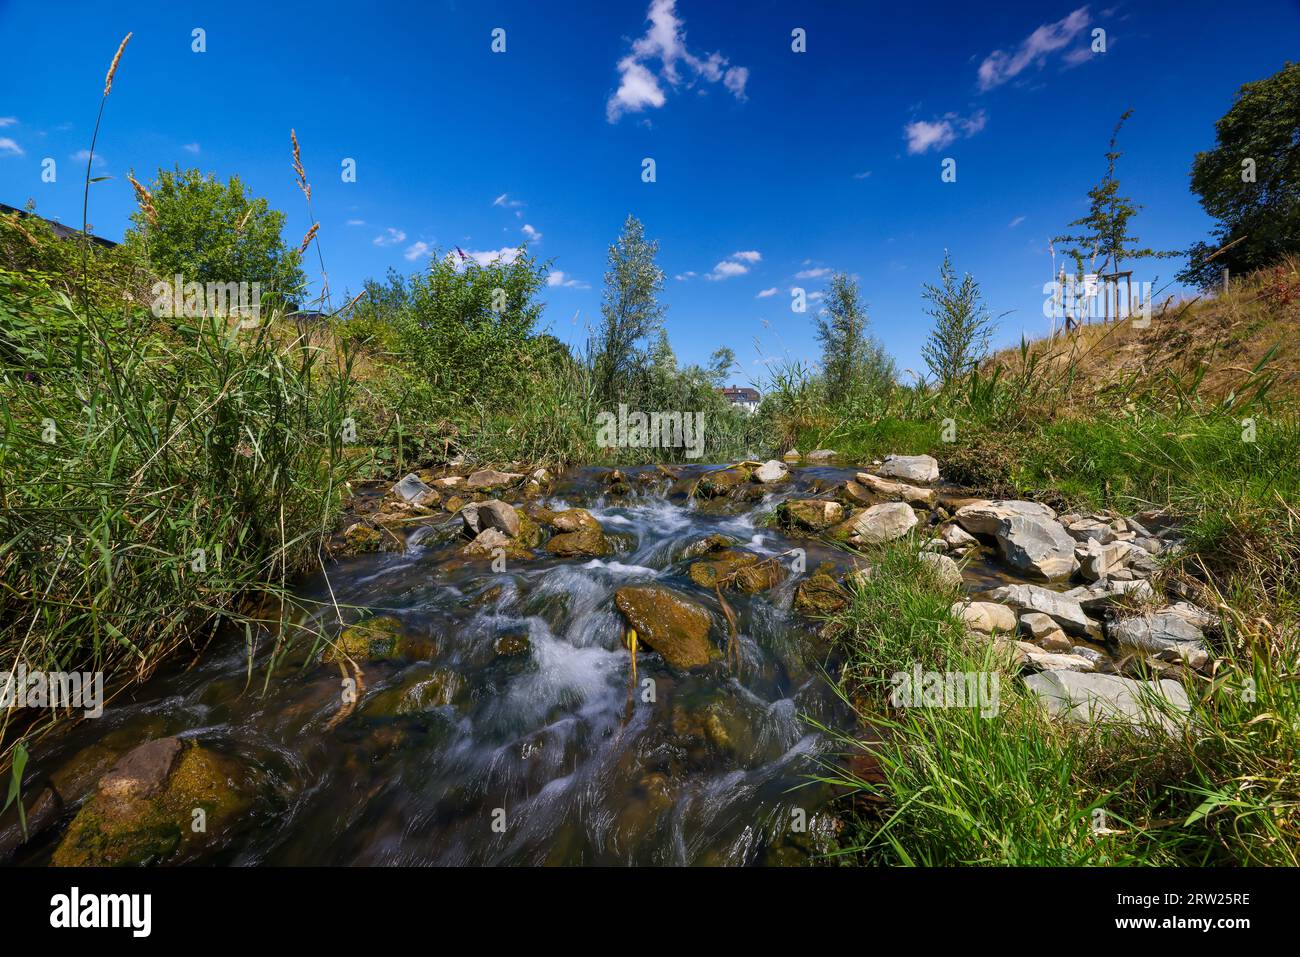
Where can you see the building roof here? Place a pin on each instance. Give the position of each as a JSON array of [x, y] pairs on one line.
[[737, 394], [63, 232]]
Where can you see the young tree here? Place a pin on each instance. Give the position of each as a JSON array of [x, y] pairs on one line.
[[1250, 181], [853, 363], [1105, 230], [213, 232], [962, 326], [631, 313]]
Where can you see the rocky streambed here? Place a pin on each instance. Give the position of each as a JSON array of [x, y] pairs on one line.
[[593, 667]]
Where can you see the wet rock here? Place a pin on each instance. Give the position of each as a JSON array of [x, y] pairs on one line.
[[412, 489], [722, 481], [377, 637], [985, 617], [453, 504], [914, 468], [42, 812], [422, 692], [485, 479], [883, 523], [360, 539], [810, 515], [587, 543], [760, 577], [493, 513], [821, 455], [78, 777], [912, 494], [1092, 698], [144, 809], [770, 471], [720, 567], [677, 628], [1065, 611], [792, 456], [508, 646], [710, 543], [575, 520], [492, 543], [820, 596], [943, 569]]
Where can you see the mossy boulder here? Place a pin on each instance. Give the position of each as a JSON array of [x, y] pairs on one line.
[[588, 543], [424, 691], [710, 543], [360, 539], [144, 810], [378, 637], [760, 577], [676, 627], [809, 515], [820, 595], [720, 567], [722, 481]]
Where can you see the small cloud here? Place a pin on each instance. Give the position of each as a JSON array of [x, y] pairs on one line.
[[999, 67], [1015, 222], [7, 121], [415, 251], [532, 235], [863, 175], [9, 148], [750, 256], [767, 293], [923, 135], [390, 237], [191, 148], [684, 276], [356, 222], [506, 202], [727, 270], [641, 87], [560, 279], [819, 273], [82, 155], [505, 255]]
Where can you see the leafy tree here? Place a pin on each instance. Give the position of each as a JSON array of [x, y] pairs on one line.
[[1105, 230], [1250, 181], [720, 365], [208, 231], [962, 326], [631, 313], [853, 363]]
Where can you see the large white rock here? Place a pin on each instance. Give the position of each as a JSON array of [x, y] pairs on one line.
[[884, 522], [914, 468], [985, 617], [1037, 547], [944, 569], [1162, 630], [1065, 611], [771, 471], [912, 494], [1098, 560], [984, 518], [1095, 698]]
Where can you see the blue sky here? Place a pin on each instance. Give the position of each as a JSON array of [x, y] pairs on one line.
[[773, 167]]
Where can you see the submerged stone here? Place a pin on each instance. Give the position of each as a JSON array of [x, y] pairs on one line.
[[675, 627]]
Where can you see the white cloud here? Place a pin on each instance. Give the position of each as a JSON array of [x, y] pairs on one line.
[[390, 237], [532, 235], [1015, 222], [999, 67], [356, 222], [750, 256], [923, 135], [9, 148], [561, 279], [641, 87], [683, 276], [818, 273], [191, 147], [767, 293], [727, 269], [82, 155], [863, 175], [506, 255], [7, 121], [415, 251], [505, 201]]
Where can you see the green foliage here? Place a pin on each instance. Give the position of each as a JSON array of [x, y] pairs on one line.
[[1106, 227], [208, 231], [962, 326], [853, 363], [1260, 220], [631, 314]]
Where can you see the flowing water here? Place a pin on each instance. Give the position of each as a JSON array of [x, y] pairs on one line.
[[550, 755]]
